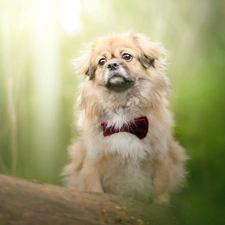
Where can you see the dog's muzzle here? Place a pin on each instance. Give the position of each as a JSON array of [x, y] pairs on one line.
[[117, 77]]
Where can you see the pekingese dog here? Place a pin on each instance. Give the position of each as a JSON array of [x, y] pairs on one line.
[[126, 146]]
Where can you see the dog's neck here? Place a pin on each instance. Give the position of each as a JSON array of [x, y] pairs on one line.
[[119, 108]]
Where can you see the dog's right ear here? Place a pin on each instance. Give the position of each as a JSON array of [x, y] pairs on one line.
[[84, 66]]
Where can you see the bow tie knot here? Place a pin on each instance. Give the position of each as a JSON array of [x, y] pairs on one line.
[[138, 127]]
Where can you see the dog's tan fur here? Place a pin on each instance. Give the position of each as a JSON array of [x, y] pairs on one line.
[[122, 163]]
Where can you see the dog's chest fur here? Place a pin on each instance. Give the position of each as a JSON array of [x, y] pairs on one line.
[[128, 161], [127, 176]]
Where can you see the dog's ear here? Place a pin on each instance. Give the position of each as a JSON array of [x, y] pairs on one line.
[[152, 53], [147, 61], [91, 71], [83, 64]]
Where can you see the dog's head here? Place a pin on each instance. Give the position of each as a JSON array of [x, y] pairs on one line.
[[118, 62]]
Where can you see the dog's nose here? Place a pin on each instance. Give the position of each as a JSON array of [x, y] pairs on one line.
[[113, 66]]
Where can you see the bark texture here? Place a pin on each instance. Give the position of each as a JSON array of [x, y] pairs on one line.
[[33, 203]]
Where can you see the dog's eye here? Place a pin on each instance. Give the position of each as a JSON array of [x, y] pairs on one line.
[[101, 62], [127, 57]]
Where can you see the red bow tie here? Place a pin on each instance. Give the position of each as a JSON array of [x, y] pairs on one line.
[[138, 127]]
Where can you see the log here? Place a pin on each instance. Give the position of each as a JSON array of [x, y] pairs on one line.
[[31, 202]]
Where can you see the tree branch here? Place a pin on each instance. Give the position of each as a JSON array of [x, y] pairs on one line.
[[26, 202]]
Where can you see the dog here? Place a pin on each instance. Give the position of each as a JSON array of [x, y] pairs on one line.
[[126, 146]]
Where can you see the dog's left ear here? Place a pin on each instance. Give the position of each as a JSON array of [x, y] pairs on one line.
[[147, 61], [151, 52], [83, 64]]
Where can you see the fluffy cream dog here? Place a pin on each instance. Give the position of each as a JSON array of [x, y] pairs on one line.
[[126, 145]]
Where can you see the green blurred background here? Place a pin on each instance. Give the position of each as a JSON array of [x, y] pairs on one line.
[[38, 87]]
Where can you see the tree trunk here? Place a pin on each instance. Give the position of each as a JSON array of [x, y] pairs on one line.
[[26, 202]]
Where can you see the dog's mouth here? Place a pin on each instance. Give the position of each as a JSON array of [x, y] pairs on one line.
[[119, 83], [118, 79]]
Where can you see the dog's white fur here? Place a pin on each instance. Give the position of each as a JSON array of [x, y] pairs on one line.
[[122, 163]]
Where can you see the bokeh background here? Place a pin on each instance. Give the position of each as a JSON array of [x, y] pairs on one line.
[[38, 87]]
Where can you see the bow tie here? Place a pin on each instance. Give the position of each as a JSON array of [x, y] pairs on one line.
[[138, 127]]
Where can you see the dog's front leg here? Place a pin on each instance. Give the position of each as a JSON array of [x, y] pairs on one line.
[[91, 176], [161, 181]]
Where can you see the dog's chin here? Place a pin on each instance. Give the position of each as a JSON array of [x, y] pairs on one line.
[[119, 83]]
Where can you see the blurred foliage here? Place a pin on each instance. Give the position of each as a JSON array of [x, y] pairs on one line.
[[38, 86]]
